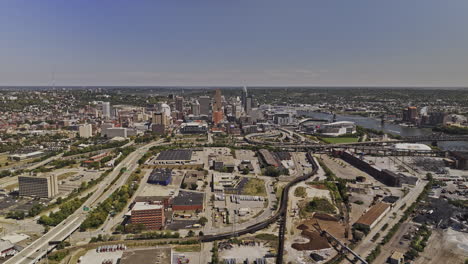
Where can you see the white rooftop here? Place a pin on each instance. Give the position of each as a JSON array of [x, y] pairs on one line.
[[412, 146], [145, 206]]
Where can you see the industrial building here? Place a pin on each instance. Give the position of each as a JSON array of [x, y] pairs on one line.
[[384, 176], [188, 201], [223, 163], [373, 216], [24, 156], [160, 176], [461, 159], [149, 215], [178, 157], [268, 158], [38, 186], [222, 181], [8, 249]]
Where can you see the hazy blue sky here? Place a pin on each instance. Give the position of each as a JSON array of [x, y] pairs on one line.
[[251, 42]]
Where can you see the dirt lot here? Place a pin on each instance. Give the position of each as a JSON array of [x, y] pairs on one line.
[[445, 246], [316, 242]]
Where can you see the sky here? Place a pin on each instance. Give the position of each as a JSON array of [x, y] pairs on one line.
[[243, 42]]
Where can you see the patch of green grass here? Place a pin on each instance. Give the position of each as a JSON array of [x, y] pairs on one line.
[[300, 192], [338, 140], [188, 248], [320, 205], [254, 187], [65, 175], [269, 237]]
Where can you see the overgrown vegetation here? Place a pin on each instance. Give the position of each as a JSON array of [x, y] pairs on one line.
[[254, 187], [300, 192], [112, 144], [418, 243], [65, 210], [115, 203], [320, 205], [275, 172]]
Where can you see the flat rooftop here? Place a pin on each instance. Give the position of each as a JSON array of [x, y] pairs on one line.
[[188, 198], [180, 154], [145, 206]]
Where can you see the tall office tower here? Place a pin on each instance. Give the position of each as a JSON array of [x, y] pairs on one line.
[[410, 114], [204, 105], [160, 123], [106, 109], [230, 110], [160, 119], [196, 108], [86, 130], [248, 105], [218, 103], [244, 97], [179, 103], [217, 107], [238, 108]]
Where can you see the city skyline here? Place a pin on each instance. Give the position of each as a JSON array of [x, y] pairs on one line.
[[152, 43]]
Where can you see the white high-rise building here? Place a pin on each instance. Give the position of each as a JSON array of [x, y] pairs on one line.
[[163, 108], [106, 110], [196, 108], [86, 130]]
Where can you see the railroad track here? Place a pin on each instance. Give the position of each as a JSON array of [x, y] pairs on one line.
[[279, 216]]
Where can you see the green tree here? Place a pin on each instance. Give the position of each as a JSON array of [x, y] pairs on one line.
[[203, 220]]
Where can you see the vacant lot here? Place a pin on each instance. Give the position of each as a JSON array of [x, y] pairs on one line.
[[65, 175], [254, 187], [338, 140], [320, 205]]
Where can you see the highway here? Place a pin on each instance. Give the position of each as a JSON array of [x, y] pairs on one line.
[[40, 247]]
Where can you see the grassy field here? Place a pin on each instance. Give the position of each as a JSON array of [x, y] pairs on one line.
[[337, 140], [320, 205], [300, 192], [254, 187], [4, 159], [65, 175], [188, 248]]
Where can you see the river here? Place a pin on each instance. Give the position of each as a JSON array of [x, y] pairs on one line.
[[403, 131]]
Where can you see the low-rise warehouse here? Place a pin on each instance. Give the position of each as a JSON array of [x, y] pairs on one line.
[[373, 216], [188, 201], [269, 158], [160, 176], [178, 157]]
